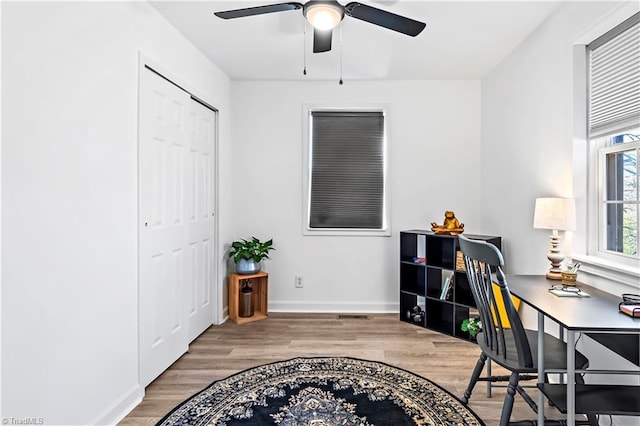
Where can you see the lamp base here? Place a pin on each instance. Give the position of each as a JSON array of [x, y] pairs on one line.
[[555, 257], [554, 275]]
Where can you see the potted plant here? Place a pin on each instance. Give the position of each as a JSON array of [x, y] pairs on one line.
[[247, 254], [472, 325]]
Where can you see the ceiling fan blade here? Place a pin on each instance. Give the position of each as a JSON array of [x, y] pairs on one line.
[[258, 10], [385, 19], [322, 40]]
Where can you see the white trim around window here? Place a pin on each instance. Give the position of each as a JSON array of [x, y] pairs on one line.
[[610, 270]]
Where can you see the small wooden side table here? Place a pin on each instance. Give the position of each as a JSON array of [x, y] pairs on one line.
[[260, 284]]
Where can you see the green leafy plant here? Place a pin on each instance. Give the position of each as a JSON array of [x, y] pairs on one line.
[[250, 249], [471, 325]]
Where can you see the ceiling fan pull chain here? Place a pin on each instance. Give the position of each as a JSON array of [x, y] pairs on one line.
[[304, 48], [341, 30]]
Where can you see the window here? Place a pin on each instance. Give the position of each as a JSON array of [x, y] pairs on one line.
[[614, 140], [618, 182], [346, 176]]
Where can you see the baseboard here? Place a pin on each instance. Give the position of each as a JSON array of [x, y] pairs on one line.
[[334, 307], [119, 409]]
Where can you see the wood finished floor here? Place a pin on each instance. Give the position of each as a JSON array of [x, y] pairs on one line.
[[226, 349]]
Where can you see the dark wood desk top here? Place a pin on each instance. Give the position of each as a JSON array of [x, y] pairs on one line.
[[598, 313]]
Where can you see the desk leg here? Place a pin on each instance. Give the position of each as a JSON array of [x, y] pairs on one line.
[[488, 364], [541, 398], [571, 378]]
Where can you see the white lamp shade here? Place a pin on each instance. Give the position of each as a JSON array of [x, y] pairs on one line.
[[555, 213], [323, 16]]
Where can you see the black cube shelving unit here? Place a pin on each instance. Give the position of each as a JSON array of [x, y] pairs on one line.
[[433, 281]]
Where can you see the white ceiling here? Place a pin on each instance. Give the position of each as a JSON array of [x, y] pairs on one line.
[[462, 40]]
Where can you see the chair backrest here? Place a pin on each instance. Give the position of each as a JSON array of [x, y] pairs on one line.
[[481, 258]]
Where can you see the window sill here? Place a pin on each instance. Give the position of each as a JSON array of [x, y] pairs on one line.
[[609, 270], [347, 232]]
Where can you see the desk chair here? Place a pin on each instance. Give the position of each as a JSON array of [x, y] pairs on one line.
[[507, 342]]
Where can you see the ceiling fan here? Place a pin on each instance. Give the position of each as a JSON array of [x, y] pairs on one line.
[[324, 15]]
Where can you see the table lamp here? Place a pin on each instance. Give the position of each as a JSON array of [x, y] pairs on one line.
[[557, 214]]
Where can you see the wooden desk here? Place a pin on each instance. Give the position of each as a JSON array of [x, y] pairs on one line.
[[595, 314]]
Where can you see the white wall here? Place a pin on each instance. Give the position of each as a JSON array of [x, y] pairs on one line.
[[434, 149], [69, 196], [528, 143], [528, 132]]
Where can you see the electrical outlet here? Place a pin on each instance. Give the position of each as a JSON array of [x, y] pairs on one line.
[[299, 283]]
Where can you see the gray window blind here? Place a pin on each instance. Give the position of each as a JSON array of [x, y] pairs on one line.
[[347, 170], [614, 79]]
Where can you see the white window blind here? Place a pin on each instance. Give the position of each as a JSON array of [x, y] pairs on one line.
[[347, 170], [614, 78]]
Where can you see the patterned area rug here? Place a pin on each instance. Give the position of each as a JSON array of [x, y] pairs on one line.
[[322, 392]]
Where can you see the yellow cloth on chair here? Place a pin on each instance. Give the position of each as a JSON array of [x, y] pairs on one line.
[[501, 310]]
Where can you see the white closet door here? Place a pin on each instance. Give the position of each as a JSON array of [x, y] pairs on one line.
[[163, 238], [200, 211]]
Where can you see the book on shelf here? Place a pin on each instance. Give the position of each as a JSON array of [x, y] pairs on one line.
[[447, 288], [631, 309], [460, 266], [419, 260]]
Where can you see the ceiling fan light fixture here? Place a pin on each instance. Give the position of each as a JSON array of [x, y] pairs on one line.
[[323, 16]]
